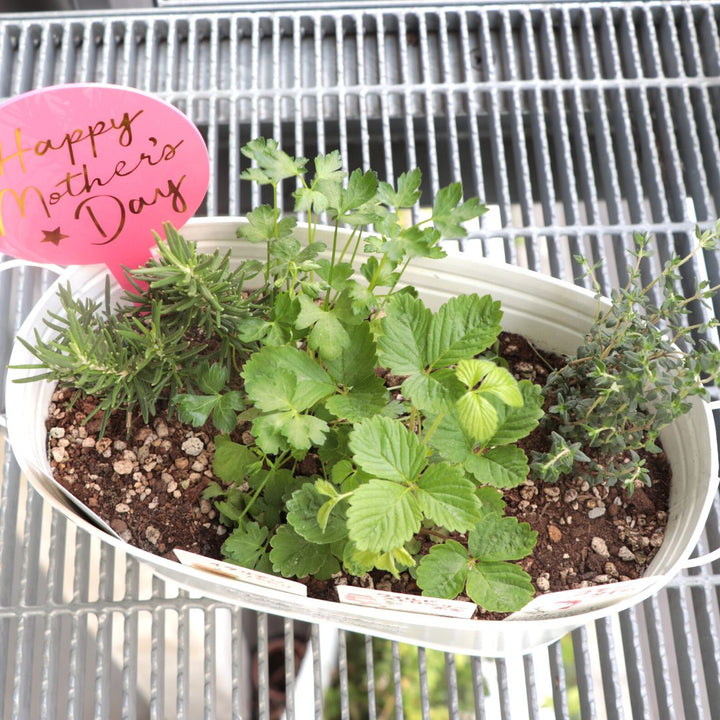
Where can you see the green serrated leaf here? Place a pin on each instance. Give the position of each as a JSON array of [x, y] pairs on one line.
[[491, 500], [303, 508], [499, 586], [279, 487], [195, 409], [329, 167], [502, 467], [261, 225], [341, 471], [212, 378], [483, 376], [328, 336], [301, 431], [330, 567], [515, 423], [450, 440], [309, 200], [285, 378], [379, 274], [385, 448], [246, 544], [414, 242], [361, 188], [358, 562], [448, 498], [463, 327], [443, 571], [224, 414], [477, 417], [293, 556], [382, 515], [432, 394], [402, 344], [497, 538], [232, 461], [273, 164], [362, 402], [358, 359], [408, 190], [449, 213], [336, 275]]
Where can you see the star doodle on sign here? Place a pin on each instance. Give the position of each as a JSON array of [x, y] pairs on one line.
[[53, 236]]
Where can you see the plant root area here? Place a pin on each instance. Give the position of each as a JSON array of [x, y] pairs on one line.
[[148, 488]]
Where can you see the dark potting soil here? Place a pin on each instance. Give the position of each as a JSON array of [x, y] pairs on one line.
[[148, 488]]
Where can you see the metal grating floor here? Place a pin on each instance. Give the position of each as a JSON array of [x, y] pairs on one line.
[[579, 123]]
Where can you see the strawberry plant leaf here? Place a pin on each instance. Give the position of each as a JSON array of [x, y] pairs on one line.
[[448, 498], [515, 423], [477, 417], [497, 538], [364, 401], [433, 394], [463, 327], [293, 556], [403, 340], [483, 376], [499, 586], [385, 448], [443, 571], [503, 467], [303, 508], [246, 544], [279, 487], [451, 440], [358, 562], [491, 500], [358, 359], [382, 515]]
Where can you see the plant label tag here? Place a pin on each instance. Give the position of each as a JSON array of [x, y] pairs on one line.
[[235, 572], [89, 171], [572, 602], [407, 603]]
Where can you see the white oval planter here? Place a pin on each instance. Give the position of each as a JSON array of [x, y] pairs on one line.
[[550, 313]]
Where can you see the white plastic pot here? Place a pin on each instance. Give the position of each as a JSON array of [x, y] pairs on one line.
[[553, 315]]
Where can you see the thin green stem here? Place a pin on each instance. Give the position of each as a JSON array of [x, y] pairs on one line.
[[431, 430]]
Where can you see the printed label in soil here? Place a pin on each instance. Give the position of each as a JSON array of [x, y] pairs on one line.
[[88, 172], [572, 602], [235, 572], [406, 603]]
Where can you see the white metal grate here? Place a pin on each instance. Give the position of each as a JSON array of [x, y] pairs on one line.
[[579, 123]]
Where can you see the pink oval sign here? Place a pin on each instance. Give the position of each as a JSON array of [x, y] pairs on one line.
[[87, 172]]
